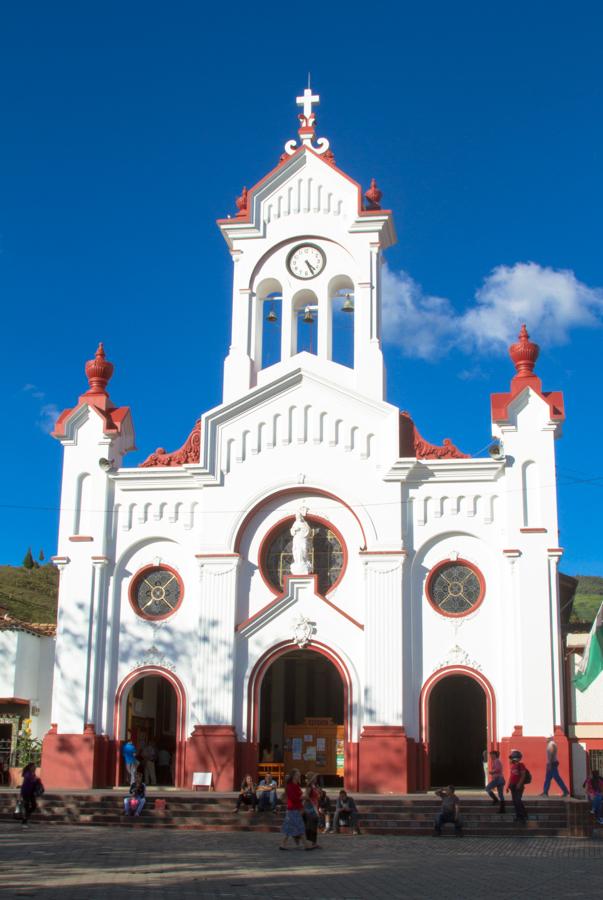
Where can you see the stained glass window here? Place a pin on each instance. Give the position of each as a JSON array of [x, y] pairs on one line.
[[326, 555], [454, 588]]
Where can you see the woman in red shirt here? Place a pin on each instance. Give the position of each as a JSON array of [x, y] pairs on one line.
[[293, 826], [311, 800]]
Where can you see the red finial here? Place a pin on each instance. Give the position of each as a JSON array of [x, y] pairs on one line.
[[98, 372], [524, 354], [373, 195], [241, 203]]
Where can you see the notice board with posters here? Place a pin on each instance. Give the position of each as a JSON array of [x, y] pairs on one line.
[[316, 745]]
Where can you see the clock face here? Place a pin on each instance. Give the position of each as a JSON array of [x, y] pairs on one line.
[[306, 261], [157, 592]]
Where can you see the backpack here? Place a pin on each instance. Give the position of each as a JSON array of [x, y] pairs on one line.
[[527, 777]]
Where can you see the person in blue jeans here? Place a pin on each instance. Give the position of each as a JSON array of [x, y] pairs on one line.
[[496, 779], [552, 769], [266, 794]]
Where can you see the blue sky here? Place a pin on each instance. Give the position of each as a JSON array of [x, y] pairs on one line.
[[128, 128]]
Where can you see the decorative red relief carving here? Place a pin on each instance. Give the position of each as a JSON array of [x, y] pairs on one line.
[[190, 452], [241, 203], [412, 444], [373, 196]]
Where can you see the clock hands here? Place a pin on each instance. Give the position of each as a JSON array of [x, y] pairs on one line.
[[311, 267]]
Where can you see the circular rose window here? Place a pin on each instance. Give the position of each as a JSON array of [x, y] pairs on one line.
[[326, 554], [455, 588], [156, 592]]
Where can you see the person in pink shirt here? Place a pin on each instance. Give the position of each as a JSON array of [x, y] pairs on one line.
[[496, 779]]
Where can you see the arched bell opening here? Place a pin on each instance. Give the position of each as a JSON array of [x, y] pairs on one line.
[[341, 316], [305, 322], [268, 323]]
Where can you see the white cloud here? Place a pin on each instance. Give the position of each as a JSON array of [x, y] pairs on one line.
[[550, 301], [49, 413]]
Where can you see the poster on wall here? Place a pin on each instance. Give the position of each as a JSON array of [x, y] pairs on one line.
[[339, 757], [308, 738], [310, 754], [321, 744], [296, 748]]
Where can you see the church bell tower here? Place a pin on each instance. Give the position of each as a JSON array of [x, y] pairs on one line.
[[307, 250]]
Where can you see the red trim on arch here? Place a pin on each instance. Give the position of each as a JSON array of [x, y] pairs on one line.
[[133, 586], [451, 562], [300, 490], [255, 684], [119, 718], [458, 670]]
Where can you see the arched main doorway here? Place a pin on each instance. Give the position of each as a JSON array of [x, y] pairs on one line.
[[302, 714], [150, 708], [458, 732]]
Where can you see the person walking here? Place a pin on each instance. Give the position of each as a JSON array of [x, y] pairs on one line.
[[131, 763], [31, 788], [552, 769], [517, 778], [293, 826], [594, 791], [311, 798], [496, 779], [149, 757]]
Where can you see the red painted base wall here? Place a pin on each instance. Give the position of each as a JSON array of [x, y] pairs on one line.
[[212, 748], [386, 760], [534, 758], [75, 761]]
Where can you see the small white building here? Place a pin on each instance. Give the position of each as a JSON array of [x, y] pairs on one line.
[[26, 672], [416, 623]]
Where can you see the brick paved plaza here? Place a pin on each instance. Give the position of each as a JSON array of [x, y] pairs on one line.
[[83, 863]]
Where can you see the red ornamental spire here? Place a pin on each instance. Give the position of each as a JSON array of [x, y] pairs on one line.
[[524, 354], [241, 203], [373, 195], [98, 372]]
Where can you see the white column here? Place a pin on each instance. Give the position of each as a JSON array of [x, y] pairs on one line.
[[287, 330], [554, 556], [383, 633], [213, 704], [97, 643]]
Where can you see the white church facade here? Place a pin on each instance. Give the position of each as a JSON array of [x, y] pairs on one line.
[[307, 571]]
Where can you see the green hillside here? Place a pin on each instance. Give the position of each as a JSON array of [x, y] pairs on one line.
[[30, 594], [588, 599]]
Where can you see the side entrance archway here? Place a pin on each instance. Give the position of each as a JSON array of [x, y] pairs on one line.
[[457, 708], [150, 708]]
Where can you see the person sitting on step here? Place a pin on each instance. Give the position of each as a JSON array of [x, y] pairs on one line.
[[266, 793], [450, 811], [325, 811], [247, 795], [346, 813], [134, 803]]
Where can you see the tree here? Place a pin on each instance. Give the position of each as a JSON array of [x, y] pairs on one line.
[[41, 557], [28, 562]]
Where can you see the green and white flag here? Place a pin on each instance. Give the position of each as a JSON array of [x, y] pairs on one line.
[[592, 659]]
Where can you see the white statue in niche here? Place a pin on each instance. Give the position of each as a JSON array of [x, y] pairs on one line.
[[301, 547]]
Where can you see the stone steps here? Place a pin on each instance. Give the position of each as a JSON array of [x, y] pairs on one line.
[[377, 815]]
